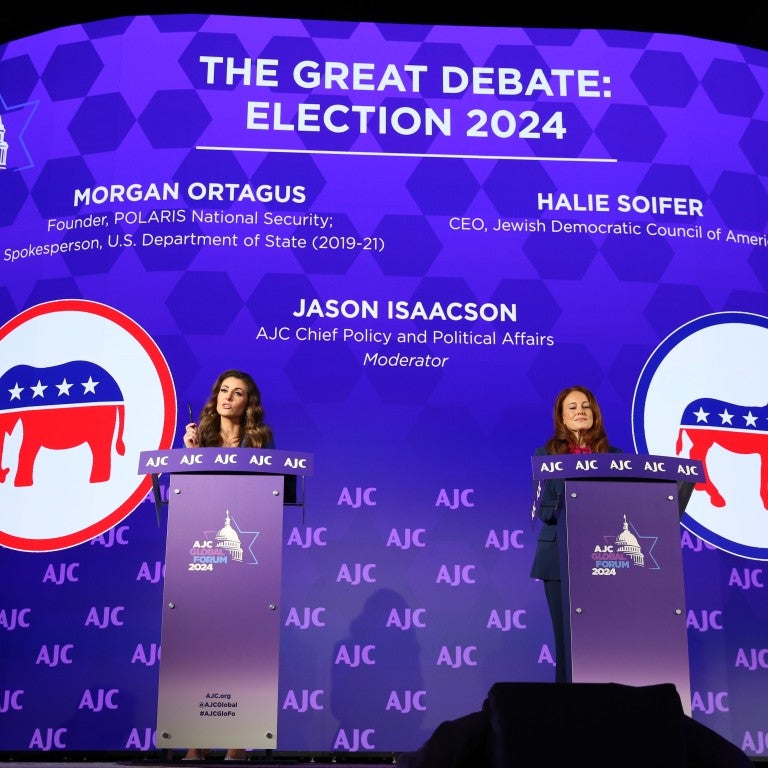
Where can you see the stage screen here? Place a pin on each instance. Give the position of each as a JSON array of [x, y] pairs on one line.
[[413, 237]]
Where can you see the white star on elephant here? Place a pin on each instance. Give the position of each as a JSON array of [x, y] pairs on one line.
[[90, 385], [39, 389], [64, 387], [16, 392]]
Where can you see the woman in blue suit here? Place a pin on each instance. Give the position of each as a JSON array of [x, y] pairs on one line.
[[578, 428]]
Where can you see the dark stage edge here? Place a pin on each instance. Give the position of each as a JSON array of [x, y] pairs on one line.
[[173, 759], [255, 759], [260, 757]]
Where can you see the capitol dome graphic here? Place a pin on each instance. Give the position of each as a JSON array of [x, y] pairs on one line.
[[228, 541], [627, 543]]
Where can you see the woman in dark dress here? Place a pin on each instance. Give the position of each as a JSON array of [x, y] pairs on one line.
[[578, 428]]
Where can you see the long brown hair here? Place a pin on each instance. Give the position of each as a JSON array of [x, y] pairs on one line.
[[595, 437], [254, 433]]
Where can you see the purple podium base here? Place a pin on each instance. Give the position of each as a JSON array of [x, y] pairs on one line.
[[221, 617], [221, 612], [623, 586], [625, 589]]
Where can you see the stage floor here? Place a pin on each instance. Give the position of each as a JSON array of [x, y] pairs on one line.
[[254, 759]]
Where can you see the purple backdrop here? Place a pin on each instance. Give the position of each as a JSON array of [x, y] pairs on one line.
[[413, 237]]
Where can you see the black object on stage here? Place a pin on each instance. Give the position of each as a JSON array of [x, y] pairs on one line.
[[559, 724]]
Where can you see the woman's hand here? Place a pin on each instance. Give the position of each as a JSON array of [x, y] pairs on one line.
[[191, 436]]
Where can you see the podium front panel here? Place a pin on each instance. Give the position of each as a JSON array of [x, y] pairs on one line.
[[220, 640], [625, 590]]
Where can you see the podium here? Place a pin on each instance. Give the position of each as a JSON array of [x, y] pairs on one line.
[[621, 566], [220, 643]]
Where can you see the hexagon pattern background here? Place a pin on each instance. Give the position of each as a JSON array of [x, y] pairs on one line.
[[301, 252]]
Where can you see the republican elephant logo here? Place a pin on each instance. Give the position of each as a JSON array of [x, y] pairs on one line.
[[737, 428], [61, 407]]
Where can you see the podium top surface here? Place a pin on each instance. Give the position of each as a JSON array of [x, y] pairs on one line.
[[617, 466], [226, 460]]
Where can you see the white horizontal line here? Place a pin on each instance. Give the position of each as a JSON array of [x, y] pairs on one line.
[[408, 154], [755, 430]]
